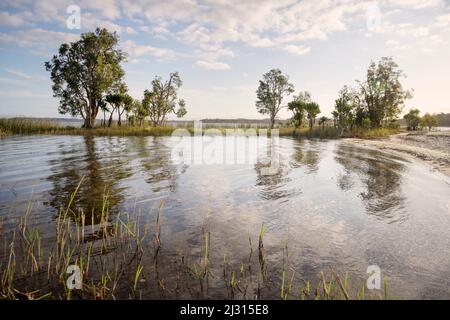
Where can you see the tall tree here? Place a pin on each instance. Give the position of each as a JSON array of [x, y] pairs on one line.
[[297, 106], [161, 100], [382, 92], [83, 71], [271, 91], [344, 109]]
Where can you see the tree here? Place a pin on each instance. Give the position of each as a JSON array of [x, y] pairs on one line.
[[345, 109], [429, 121], [271, 91], [322, 121], [140, 113], [161, 100], [412, 119], [114, 99], [83, 71], [297, 106], [382, 93], [312, 110]]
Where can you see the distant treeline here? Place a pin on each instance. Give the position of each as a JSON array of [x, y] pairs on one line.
[[443, 119]]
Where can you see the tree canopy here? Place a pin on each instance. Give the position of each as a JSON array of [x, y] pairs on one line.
[[83, 71], [377, 101], [272, 89], [161, 100]]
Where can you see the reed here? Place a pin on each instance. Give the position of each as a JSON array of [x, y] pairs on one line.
[[116, 260], [25, 126]]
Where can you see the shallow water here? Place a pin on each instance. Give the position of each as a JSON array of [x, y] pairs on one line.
[[336, 205]]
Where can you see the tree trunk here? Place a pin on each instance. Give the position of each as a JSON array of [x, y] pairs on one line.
[[110, 119]]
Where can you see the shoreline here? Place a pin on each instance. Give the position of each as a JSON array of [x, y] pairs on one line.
[[432, 148]]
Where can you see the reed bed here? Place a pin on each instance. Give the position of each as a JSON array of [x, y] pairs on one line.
[[25, 126], [124, 256]]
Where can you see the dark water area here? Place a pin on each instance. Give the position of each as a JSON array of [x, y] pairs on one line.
[[333, 204]]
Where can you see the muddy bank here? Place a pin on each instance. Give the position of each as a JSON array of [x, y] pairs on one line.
[[431, 147]]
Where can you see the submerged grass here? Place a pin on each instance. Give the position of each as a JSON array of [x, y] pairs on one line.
[[24, 126], [116, 260]]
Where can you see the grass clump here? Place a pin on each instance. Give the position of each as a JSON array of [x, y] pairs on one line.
[[28, 126], [334, 133]]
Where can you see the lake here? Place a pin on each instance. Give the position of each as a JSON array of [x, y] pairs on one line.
[[334, 205]]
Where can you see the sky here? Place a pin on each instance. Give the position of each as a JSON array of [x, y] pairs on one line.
[[222, 48]]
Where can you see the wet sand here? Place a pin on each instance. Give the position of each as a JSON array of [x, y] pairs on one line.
[[431, 147]]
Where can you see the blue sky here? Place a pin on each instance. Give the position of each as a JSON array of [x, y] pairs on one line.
[[221, 48]]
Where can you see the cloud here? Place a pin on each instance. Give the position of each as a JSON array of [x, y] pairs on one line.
[[212, 65], [300, 50], [212, 29], [11, 20], [137, 50], [39, 41]]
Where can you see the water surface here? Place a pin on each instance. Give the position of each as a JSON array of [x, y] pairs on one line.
[[336, 205]]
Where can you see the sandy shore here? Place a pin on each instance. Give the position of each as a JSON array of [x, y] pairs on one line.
[[431, 147]]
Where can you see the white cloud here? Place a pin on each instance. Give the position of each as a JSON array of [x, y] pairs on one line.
[[300, 50], [212, 65], [137, 50], [11, 20], [39, 41]]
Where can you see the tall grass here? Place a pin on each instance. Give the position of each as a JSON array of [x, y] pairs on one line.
[[117, 260], [334, 133], [34, 126]]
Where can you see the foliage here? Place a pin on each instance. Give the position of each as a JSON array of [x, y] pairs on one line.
[[376, 102], [297, 106], [412, 119], [443, 119], [344, 109], [429, 121], [312, 110], [382, 95], [83, 71], [272, 89], [161, 100], [322, 121]]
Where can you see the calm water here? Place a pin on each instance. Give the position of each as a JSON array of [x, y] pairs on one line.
[[335, 205]]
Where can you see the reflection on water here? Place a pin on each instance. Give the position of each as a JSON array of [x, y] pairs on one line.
[[381, 177], [100, 164], [336, 205]]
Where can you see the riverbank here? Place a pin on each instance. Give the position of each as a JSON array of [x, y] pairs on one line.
[[431, 147], [24, 126]]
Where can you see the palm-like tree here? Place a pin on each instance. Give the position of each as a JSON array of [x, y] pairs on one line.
[[312, 109]]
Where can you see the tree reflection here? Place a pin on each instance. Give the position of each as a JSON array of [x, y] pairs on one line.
[[273, 186], [306, 154], [101, 165], [380, 177], [156, 163]]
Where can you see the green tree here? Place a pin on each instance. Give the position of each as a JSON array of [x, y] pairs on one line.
[[139, 111], [412, 119], [345, 109], [161, 100], [83, 71], [382, 93], [322, 121], [312, 110], [429, 121], [272, 89], [297, 106]]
